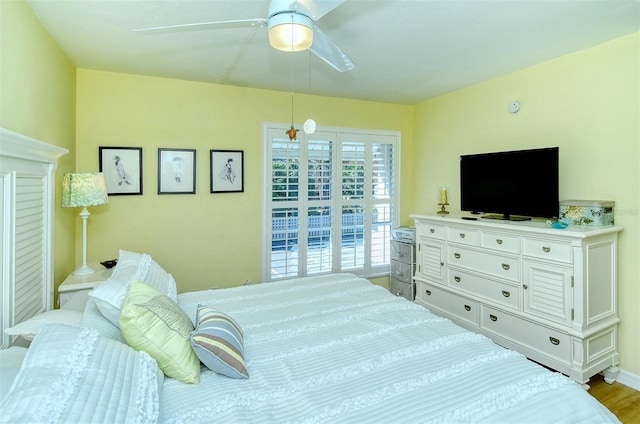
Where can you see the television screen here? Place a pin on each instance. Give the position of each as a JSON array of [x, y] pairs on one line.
[[522, 183]]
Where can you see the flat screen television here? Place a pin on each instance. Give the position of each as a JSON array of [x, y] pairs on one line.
[[512, 185]]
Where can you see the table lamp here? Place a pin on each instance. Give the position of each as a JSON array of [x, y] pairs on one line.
[[83, 190]]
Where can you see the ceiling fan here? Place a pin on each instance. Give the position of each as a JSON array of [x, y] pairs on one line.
[[291, 27]]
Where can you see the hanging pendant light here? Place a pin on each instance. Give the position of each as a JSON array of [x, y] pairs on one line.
[[293, 131]]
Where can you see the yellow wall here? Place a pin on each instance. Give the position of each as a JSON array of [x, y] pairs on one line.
[[37, 99], [588, 104], [205, 239]]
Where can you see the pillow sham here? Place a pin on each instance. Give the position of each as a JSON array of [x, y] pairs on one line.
[[93, 318], [153, 322], [72, 374], [218, 342], [29, 328], [131, 266]]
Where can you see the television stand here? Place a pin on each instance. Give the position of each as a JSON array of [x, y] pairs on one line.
[[506, 217]]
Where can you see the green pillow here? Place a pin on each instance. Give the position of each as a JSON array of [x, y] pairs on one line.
[[153, 322]]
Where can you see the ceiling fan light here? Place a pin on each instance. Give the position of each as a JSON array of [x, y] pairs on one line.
[[290, 32]]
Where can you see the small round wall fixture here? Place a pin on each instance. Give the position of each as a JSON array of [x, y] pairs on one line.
[[514, 106], [309, 126]]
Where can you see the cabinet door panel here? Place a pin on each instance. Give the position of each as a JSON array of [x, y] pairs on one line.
[[431, 260], [547, 291]]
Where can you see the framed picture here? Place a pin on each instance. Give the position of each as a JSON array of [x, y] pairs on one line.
[[122, 169], [176, 171], [227, 171]]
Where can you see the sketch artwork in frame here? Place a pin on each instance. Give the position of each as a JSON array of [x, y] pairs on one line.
[[122, 169], [176, 171], [227, 171]]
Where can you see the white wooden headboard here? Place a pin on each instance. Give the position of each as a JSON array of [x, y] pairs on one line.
[[27, 178]]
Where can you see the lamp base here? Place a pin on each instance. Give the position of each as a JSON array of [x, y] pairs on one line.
[[83, 270]]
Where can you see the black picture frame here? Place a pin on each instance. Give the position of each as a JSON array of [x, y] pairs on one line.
[[122, 169], [227, 171], [176, 171]]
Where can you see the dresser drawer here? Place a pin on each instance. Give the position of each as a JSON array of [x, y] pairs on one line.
[[495, 291], [501, 242], [532, 335], [458, 306], [547, 249], [400, 288], [427, 229], [402, 271], [465, 236], [486, 262], [402, 252]]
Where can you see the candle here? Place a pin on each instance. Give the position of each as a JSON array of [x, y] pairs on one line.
[[443, 196]]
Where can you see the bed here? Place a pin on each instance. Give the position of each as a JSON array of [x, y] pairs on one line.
[[332, 348]]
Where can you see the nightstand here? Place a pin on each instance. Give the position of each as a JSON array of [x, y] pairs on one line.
[[74, 284]]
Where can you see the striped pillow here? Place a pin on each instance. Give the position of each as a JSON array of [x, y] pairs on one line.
[[218, 343]]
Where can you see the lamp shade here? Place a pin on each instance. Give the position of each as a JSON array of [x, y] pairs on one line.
[[290, 32], [84, 189]]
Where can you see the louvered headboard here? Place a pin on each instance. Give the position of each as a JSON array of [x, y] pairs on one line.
[[27, 168]]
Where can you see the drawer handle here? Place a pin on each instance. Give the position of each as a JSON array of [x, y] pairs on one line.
[[400, 254], [525, 287], [506, 267], [398, 294], [499, 241], [506, 293], [432, 231], [546, 249], [441, 263], [554, 341], [493, 317], [462, 235], [457, 279], [428, 292], [456, 255], [467, 308]]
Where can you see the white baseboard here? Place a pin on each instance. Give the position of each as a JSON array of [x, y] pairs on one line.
[[629, 379]]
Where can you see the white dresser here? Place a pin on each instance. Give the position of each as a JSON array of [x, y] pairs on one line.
[[548, 293]]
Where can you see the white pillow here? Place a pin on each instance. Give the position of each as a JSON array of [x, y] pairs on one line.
[[93, 318], [131, 267], [29, 328], [72, 374]]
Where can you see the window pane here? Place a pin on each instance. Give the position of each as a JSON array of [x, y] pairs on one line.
[[382, 176], [381, 235], [284, 243], [319, 241], [284, 169], [320, 169], [352, 246], [353, 165]]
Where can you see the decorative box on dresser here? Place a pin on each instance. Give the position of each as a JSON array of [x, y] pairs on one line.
[[547, 293]]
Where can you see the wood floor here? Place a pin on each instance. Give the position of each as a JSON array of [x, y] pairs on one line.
[[618, 398]]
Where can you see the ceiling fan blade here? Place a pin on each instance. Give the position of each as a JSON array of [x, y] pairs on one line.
[[315, 9], [326, 50], [201, 26]]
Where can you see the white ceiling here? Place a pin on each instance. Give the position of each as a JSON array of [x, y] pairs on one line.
[[404, 51]]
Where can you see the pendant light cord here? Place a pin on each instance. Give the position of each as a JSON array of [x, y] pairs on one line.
[[291, 53]]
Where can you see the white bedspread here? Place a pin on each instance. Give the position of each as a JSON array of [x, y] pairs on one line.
[[339, 349]]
